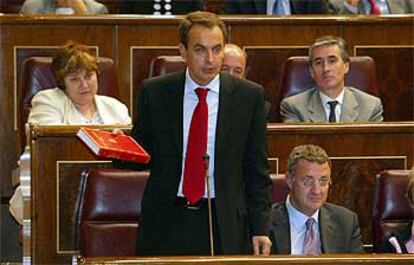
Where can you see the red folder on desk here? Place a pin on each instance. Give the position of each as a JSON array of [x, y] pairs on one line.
[[105, 144]]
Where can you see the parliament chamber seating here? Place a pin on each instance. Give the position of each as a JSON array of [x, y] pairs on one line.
[[10, 6], [296, 76], [110, 207], [109, 211], [37, 75], [164, 64], [391, 208]]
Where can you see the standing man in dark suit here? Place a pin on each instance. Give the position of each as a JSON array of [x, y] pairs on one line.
[[160, 7], [172, 221], [276, 7], [332, 228]]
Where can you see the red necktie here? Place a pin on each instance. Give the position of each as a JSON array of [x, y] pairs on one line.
[[194, 167], [375, 10]]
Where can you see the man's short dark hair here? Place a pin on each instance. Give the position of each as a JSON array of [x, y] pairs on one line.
[[308, 152], [330, 40], [205, 19]]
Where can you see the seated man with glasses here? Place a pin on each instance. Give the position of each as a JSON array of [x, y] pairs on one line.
[[306, 224]]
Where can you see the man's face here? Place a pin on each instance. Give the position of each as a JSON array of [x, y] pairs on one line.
[[234, 63], [309, 186], [328, 69], [204, 54]]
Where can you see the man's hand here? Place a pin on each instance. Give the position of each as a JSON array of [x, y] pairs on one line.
[[261, 245], [77, 5], [117, 132]]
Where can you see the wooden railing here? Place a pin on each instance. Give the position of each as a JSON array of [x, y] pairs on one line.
[[325, 259], [53, 165]]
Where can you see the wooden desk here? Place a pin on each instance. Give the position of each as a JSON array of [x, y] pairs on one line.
[[367, 259], [51, 171]]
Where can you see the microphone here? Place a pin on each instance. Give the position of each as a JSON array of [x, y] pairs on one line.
[[206, 159]]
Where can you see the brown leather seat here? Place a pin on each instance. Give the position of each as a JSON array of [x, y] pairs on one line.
[[110, 208], [166, 64], [280, 189], [11, 6], [391, 208], [296, 76], [109, 212], [37, 75]]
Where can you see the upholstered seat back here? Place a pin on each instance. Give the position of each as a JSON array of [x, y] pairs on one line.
[[37, 75], [391, 208], [296, 76], [166, 64], [110, 211], [280, 189]]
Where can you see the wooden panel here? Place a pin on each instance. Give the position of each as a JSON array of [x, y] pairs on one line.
[[395, 83], [116, 35], [264, 66], [358, 153]]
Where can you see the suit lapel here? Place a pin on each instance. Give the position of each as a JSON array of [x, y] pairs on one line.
[[173, 100], [349, 111], [281, 229], [260, 6], [328, 234], [226, 112], [315, 108]]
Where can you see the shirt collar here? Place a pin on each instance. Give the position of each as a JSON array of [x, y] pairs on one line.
[[297, 218], [325, 99], [191, 85]]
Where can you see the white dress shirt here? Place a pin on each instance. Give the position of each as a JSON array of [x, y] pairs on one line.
[[325, 99], [189, 104], [297, 222]]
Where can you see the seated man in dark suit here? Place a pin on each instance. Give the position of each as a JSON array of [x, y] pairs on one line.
[[234, 62], [160, 7], [306, 224], [330, 100], [402, 241], [276, 7]]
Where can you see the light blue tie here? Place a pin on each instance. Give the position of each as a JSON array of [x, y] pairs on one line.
[[281, 7]]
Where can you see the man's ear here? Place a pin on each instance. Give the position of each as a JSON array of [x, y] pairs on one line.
[[183, 51], [289, 180], [311, 70], [346, 67]]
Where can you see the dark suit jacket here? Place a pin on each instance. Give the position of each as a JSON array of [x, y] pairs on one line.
[[242, 184], [338, 226], [259, 7], [146, 6], [402, 236]]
